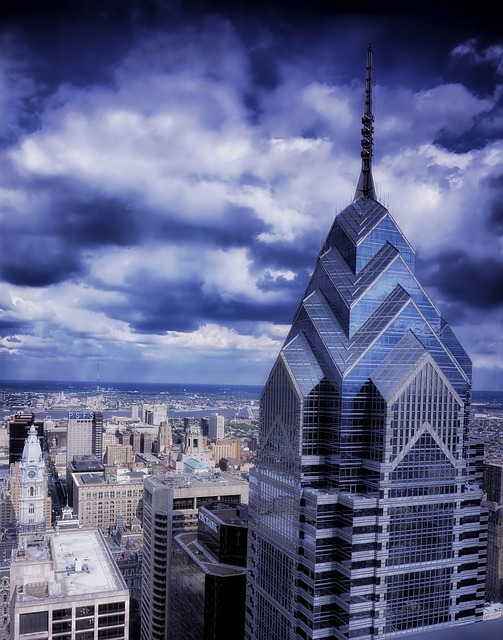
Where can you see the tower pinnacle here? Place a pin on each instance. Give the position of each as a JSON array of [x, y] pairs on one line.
[[366, 183]]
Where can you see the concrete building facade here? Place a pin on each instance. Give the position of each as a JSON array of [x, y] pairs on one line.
[[98, 499], [171, 506]]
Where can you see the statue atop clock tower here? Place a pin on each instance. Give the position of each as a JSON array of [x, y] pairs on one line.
[[34, 502]]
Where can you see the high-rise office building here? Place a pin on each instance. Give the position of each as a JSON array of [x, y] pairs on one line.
[[208, 570], [97, 434], [365, 512], [154, 414], [84, 434], [170, 506], [493, 486], [164, 437], [216, 427]]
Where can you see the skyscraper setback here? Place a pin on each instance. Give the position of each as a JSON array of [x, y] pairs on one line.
[[365, 507]]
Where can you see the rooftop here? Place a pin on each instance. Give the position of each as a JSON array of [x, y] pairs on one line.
[[202, 556], [181, 481], [77, 562]]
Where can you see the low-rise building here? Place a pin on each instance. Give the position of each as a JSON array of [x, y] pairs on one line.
[[66, 585]]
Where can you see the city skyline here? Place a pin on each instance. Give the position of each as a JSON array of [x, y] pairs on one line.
[[169, 173]]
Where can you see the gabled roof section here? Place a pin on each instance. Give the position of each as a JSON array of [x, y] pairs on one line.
[[375, 268], [360, 217], [397, 365], [347, 284], [326, 325], [374, 326], [457, 351], [302, 363]]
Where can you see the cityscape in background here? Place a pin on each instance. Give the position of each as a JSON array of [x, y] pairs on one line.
[[239, 404], [126, 409]]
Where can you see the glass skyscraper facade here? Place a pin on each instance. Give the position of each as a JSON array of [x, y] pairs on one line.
[[365, 502]]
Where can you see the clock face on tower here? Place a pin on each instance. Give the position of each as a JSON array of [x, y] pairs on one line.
[[32, 473]]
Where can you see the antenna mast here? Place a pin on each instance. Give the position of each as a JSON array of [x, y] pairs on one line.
[[366, 183]]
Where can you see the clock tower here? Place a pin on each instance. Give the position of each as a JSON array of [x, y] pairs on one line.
[[34, 503]]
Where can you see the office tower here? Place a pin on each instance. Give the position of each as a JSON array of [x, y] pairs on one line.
[[119, 454], [84, 434], [170, 506], [164, 438], [147, 440], [154, 414], [134, 411], [208, 578], [493, 481], [216, 427], [97, 434], [34, 504], [65, 585], [135, 440], [80, 464], [365, 514], [205, 426], [109, 438], [493, 486]]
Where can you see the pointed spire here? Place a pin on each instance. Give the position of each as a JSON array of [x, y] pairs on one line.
[[366, 183]]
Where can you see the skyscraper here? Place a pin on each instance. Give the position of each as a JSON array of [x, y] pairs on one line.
[[85, 434], [170, 506], [216, 427], [365, 511]]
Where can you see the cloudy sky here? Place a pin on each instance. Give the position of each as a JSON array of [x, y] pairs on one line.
[[168, 172]]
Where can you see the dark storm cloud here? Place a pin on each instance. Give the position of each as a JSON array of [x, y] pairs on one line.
[[299, 256], [9, 327], [49, 249], [37, 261], [153, 307], [495, 217], [237, 226], [471, 280], [95, 221]]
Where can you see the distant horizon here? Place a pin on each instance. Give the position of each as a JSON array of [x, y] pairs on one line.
[[104, 383], [138, 382]]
